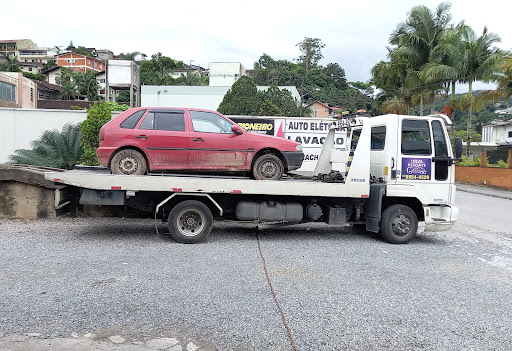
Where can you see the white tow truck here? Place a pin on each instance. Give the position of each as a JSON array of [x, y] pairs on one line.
[[397, 171]]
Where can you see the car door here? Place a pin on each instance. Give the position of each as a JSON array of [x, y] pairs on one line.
[[163, 136], [213, 145]]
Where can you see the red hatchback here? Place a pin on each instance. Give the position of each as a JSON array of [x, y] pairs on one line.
[[147, 139]]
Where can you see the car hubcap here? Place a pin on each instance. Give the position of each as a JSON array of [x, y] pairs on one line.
[[268, 169], [401, 225], [190, 222], [128, 165]]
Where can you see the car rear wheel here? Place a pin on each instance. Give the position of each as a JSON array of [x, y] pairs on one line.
[[128, 162], [268, 167]]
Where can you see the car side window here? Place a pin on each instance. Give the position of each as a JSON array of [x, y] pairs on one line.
[[207, 122], [415, 137], [170, 121], [132, 120]]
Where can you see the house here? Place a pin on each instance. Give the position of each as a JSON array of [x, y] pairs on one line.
[[80, 63], [17, 91], [52, 74], [499, 132], [224, 74], [322, 109], [34, 54], [12, 47], [47, 91]]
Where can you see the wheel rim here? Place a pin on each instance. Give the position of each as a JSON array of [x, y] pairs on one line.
[[401, 225], [268, 169], [190, 222], [128, 165]]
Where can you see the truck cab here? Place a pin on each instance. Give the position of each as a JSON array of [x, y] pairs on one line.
[[411, 164]]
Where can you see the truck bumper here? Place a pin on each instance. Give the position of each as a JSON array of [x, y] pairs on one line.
[[293, 159], [440, 218]]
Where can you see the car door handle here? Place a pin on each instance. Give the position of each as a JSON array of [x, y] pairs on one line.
[[142, 137], [197, 139]]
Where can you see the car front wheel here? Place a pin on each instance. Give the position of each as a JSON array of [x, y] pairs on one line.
[[128, 162], [268, 167]]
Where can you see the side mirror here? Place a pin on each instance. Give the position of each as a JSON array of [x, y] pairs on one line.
[[235, 129], [458, 147]]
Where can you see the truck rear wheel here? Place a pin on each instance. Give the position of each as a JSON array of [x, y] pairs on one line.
[[398, 224], [190, 222]]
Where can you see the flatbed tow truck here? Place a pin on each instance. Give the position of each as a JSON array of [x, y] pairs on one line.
[[399, 170]]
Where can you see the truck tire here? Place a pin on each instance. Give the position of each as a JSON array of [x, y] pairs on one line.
[[268, 167], [190, 222], [398, 224], [128, 162]]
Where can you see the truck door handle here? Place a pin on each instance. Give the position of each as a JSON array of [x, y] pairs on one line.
[[197, 139], [392, 162], [141, 137]]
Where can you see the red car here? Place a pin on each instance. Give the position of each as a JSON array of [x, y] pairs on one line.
[[145, 139]]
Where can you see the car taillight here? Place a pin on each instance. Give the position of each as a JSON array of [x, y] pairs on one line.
[[102, 134]]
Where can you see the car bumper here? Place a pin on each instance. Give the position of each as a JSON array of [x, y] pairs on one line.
[[104, 154], [293, 159]]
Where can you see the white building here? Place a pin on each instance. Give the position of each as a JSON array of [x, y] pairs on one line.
[[206, 97], [498, 133], [224, 74]]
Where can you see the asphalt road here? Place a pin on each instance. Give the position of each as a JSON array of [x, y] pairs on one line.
[[113, 284]]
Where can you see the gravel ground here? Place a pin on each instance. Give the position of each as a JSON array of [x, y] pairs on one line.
[[115, 281]]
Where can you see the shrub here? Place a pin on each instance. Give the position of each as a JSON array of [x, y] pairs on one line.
[[97, 116]]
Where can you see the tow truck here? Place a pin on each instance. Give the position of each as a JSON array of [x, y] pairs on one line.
[[397, 171]]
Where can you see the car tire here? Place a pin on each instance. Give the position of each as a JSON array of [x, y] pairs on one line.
[[268, 167], [398, 224], [190, 222], [128, 162]]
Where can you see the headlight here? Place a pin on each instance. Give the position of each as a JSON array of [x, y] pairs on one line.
[[298, 147]]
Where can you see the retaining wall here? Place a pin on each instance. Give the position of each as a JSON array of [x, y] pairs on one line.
[[500, 177]]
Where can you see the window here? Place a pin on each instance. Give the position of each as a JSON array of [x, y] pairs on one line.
[[132, 120], [164, 120], [7, 92], [415, 137], [510, 134], [441, 150], [378, 138], [207, 122]]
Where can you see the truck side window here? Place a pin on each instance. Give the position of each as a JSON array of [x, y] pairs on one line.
[[378, 138], [439, 140], [415, 137]]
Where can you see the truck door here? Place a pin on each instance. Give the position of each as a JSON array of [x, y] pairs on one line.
[[423, 158]]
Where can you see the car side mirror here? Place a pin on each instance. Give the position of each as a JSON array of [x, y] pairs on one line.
[[235, 129], [458, 147]]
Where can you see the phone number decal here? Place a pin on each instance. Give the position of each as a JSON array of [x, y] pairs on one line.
[[416, 177], [415, 168]]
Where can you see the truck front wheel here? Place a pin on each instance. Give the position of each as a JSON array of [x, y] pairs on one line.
[[190, 222], [398, 224]]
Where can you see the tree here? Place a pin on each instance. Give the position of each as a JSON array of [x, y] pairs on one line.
[[52, 149], [97, 116], [35, 76], [83, 51], [269, 109], [131, 56], [49, 65], [157, 71], [241, 99], [311, 49], [336, 74], [88, 85], [416, 40], [10, 65], [281, 99], [504, 88]]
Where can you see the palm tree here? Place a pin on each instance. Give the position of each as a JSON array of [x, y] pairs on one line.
[[68, 91], [52, 149], [10, 65], [504, 88], [416, 40], [88, 85], [479, 61]]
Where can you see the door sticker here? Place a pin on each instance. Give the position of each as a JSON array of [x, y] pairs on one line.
[[414, 168]]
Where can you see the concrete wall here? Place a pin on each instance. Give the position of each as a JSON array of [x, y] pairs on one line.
[[21, 126], [500, 177]]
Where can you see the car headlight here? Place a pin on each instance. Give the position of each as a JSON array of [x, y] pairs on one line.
[[298, 147]]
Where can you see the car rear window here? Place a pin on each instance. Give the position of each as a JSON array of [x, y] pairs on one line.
[[131, 121], [164, 120]]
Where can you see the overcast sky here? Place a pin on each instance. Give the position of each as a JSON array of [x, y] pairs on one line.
[[355, 33]]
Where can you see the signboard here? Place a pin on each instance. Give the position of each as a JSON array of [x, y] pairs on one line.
[[309, 132], [415, 168]]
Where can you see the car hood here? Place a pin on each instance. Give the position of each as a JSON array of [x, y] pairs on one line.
[[272, 140]]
